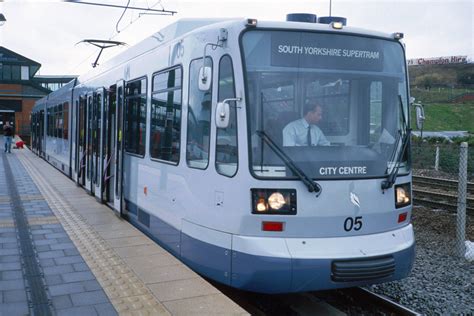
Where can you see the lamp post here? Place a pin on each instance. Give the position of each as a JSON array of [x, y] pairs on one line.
[[2, 19]]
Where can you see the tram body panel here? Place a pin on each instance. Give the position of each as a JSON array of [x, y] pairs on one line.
[[209, 219]]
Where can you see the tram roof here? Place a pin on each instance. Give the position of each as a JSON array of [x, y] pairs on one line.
[[189, 25]]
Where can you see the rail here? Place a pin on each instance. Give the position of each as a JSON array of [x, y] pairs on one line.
[[439, 182], [373, 299], [441, 193]]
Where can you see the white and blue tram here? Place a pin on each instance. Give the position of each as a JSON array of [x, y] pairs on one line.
[[182, 135]]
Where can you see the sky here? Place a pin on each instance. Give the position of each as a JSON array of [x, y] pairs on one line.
[[49, 31]]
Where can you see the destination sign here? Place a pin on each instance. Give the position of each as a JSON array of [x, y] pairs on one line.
[[327, 51], [343, 171]]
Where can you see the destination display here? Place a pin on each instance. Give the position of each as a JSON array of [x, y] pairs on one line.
[[341, 169], [325, 51]]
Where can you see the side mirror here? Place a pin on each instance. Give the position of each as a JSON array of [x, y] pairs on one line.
[[222, 115], [412, 100], [420, 116], [223, 112], [205, 78]]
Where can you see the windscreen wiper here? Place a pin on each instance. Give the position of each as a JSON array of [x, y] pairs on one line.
[[403, 136], [312, 186]]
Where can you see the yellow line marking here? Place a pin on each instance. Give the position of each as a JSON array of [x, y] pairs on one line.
[[7, 223]]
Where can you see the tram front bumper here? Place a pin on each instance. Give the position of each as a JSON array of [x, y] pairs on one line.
[[281, 265]]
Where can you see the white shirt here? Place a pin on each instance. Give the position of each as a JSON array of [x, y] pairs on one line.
[[296, 134]]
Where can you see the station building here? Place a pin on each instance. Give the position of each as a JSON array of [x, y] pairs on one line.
[[20, 87]]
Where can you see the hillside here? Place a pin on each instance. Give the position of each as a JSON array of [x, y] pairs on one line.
[[449, 76], [438, 88]]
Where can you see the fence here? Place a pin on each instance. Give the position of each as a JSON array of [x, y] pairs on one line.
[[452, 167], [425, 162]]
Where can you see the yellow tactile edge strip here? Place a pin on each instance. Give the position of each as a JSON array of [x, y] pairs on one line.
[[31, 221], [128, 294]]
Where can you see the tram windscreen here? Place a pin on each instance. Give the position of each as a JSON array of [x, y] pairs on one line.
[[336, 105]]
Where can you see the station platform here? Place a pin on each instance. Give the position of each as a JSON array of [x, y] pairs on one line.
[[63, 253]]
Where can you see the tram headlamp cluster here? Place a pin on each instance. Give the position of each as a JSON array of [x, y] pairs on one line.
[[337, 25], [402, 195], [398, 35], [274, 201], [251, 23]]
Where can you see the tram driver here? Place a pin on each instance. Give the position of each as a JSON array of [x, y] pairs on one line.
[[304, 131]]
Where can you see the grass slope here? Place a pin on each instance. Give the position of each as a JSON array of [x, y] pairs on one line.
[[448, 117]]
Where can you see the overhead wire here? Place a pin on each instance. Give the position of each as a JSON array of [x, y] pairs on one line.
[[124, 10]]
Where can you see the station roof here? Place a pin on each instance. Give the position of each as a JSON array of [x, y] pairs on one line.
[[8, 57]]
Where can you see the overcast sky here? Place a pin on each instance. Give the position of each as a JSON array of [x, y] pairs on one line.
[[47, 31]]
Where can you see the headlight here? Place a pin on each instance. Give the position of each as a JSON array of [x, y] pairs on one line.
[[274, 201], [402, 195], [261, 205]]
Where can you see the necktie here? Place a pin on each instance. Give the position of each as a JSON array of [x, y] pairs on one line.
[[308, 137]]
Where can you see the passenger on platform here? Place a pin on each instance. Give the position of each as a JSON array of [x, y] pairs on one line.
[[304, 131], [20, 144], [8, 134]]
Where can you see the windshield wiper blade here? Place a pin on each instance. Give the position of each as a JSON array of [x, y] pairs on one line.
[[312, 186], [403, 136]]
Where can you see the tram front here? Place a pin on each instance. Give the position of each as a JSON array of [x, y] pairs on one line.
[[329, 150]]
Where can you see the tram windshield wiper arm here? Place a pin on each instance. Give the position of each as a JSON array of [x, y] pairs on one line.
[[312, 186], [403, 136]]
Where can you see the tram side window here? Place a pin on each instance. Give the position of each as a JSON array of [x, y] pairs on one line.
[[59, 121], [51, 121], [55, 121], [199, 117], [135, 117], [48, 121], [165, 129], [65, 120], [98, 121], [226, 142]]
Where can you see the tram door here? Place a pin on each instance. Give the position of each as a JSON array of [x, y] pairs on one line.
[[88, 151], [109, 145], [97, 143], [118, 165], [81, 147]]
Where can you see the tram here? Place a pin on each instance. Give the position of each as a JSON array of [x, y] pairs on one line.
[[183, 135]]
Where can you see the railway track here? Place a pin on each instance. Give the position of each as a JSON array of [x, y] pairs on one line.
[[441, 193], [352, 301], [360, 301], [384, 303], [451, 185]]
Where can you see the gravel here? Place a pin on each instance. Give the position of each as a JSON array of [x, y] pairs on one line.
[[440, 283]]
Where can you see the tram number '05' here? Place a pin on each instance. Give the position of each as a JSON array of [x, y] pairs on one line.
[[353, 223]]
